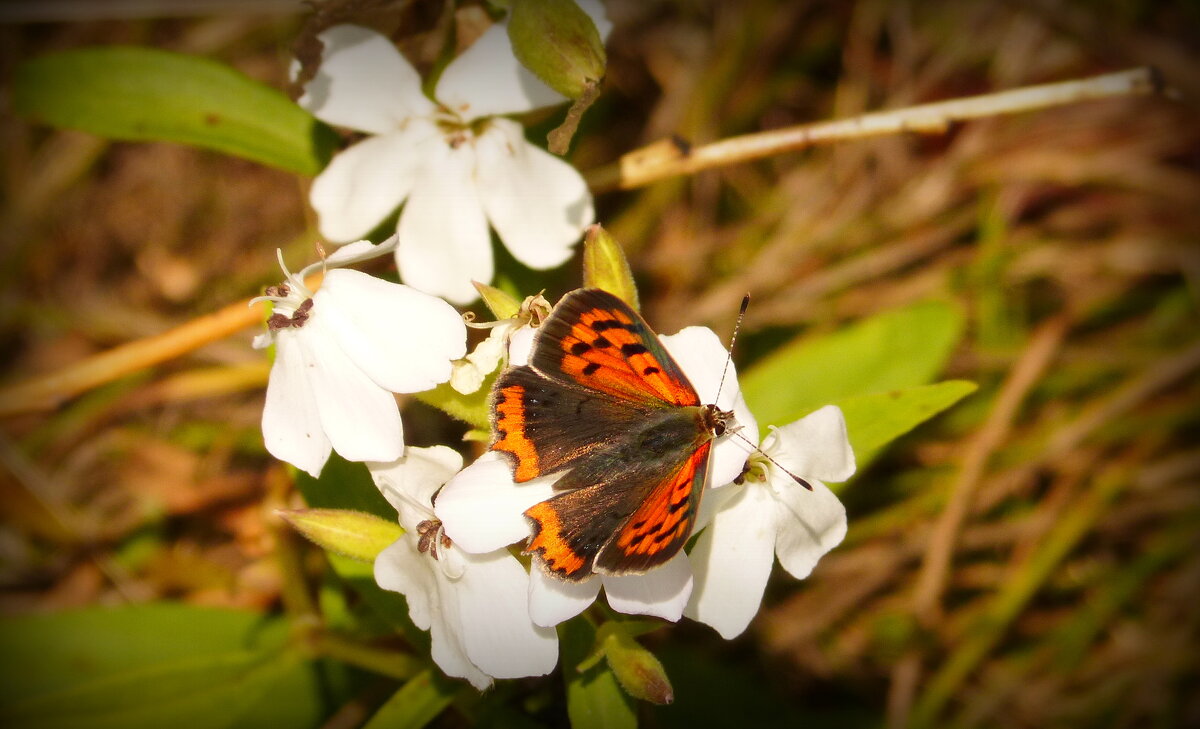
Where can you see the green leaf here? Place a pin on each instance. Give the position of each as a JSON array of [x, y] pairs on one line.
[[558, 42], [145, 666], [594, 699], [471, 409], [145, 94], [897, 349], [351, 534], [417, 703], [875, 420]]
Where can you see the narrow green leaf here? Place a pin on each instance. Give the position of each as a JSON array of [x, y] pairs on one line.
[[142, 666], [146, 94], [417, 703], [502, 304], [558, 42], [594, 699], [352, 534], [873, 421], [894, 350]]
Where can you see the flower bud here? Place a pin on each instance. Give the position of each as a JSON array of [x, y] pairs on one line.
[[605, 267], [559, 43]]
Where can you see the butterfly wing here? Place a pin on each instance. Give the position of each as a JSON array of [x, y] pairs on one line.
[[659, 528], [624, 526], [594, 340], [546, 425]]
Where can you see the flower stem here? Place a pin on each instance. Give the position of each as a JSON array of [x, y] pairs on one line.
[[377, 660]]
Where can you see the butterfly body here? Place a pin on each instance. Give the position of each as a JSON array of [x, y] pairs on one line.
[[603, 400]]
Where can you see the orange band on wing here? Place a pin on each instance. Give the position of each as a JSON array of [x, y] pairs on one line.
[[509, 426], [548, 543]]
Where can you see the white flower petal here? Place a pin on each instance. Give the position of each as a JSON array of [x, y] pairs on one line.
[[444, 241], [493, 614], [551, 600], [482, 508], [291, 424], [537, 203], [403, 339], [815, 446], [520, 346], [732, 560], [701, 356], [400, 568], [360, 418], [351, 253], [363, 82], [487, 78], [413, 479], [663, 592], [810, 523], [364, 183]]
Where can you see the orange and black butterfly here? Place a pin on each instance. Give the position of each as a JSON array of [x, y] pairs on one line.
[[603, 400]]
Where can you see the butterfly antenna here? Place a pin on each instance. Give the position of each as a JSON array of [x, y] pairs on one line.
[[754, 446], [778, 465], [732, 340]]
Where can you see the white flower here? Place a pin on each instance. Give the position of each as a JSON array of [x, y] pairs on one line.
[[474, 605], [483, 509], [768, 515], [341, 352], [470, 371], [458, 165]]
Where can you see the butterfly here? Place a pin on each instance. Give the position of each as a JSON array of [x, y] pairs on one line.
[[603, 400]]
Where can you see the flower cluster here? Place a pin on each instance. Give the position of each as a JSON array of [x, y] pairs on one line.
[[344, 349]]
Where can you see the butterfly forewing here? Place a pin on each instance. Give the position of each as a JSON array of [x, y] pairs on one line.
[[547, 426], [595, 339]]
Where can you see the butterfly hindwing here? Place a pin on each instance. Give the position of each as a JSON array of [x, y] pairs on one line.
[[661, 525], [627, 524], [596, 340]]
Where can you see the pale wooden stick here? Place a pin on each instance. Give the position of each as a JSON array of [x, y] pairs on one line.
[[669, 158]]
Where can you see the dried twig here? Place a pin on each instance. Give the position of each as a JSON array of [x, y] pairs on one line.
[[668, 159]]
